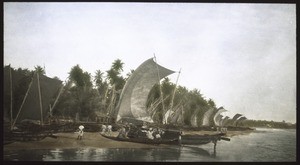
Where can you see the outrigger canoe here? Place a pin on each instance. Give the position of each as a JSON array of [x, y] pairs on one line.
[[185, 139], [143, 140]]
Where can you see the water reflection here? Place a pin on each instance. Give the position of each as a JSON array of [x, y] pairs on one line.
[[105, 154], [202, 152], [258, 146]]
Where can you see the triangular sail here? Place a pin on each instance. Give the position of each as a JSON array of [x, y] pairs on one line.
[[132, 103]]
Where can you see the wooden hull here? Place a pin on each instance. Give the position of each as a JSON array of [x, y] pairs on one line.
[[199, 139], [185, 140], [142, 140]]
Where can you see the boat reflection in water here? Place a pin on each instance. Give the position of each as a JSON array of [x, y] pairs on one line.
[[110, 154]]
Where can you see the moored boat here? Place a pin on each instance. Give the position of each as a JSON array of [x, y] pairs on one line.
[[143, 140]]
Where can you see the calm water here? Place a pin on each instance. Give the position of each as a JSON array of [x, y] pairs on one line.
[[271, 145]]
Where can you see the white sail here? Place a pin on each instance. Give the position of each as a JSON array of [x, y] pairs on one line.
[[207, 117], [224, 121], [194, 119], [220, 120], [235, 118], [132, 103], [240, 120], [216, 120]]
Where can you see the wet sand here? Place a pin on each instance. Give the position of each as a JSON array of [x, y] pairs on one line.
[[93, 140]]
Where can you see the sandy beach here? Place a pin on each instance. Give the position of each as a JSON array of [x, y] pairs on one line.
[[93, 140]]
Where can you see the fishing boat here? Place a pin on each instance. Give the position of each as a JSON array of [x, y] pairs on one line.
[[144, 140], [26, 120], [132, 107]]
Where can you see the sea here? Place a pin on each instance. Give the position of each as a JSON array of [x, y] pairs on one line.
[[262, 145]]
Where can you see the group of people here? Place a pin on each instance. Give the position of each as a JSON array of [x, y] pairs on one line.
[[106, 129], [133, 131], [154, 133]]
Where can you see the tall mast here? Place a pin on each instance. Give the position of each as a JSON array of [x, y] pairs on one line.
[[161, 93], [23, 102], [60, 91], [40, 97], [11, 98]]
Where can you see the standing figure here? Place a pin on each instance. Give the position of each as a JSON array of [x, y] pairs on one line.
[[179, 138], [149, 134], [80, 132], [109, 129], [103, 129]]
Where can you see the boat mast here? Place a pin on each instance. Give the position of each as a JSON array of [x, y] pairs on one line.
[[23, 101], [40, 97], [161, 93], [11, 99], [52, 107]]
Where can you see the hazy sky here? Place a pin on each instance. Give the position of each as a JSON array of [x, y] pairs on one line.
[[243, 56]]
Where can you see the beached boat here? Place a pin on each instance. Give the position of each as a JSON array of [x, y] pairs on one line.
[[132, 107], [144, 140]]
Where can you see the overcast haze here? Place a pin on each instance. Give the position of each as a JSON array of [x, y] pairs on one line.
[[243, 56]]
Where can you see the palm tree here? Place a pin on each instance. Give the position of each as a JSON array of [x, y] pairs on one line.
[[40, 70], [79, 77], [118, 65]]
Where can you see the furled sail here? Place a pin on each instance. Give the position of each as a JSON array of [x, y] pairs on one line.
[[216, 120], [207, 116], [132, 103]]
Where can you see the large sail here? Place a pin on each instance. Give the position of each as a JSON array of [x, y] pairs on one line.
[[132, 103]]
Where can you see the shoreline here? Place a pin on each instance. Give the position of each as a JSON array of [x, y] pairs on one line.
[[95, 140]]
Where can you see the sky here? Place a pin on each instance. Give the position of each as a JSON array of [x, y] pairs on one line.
[[243, 56]]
